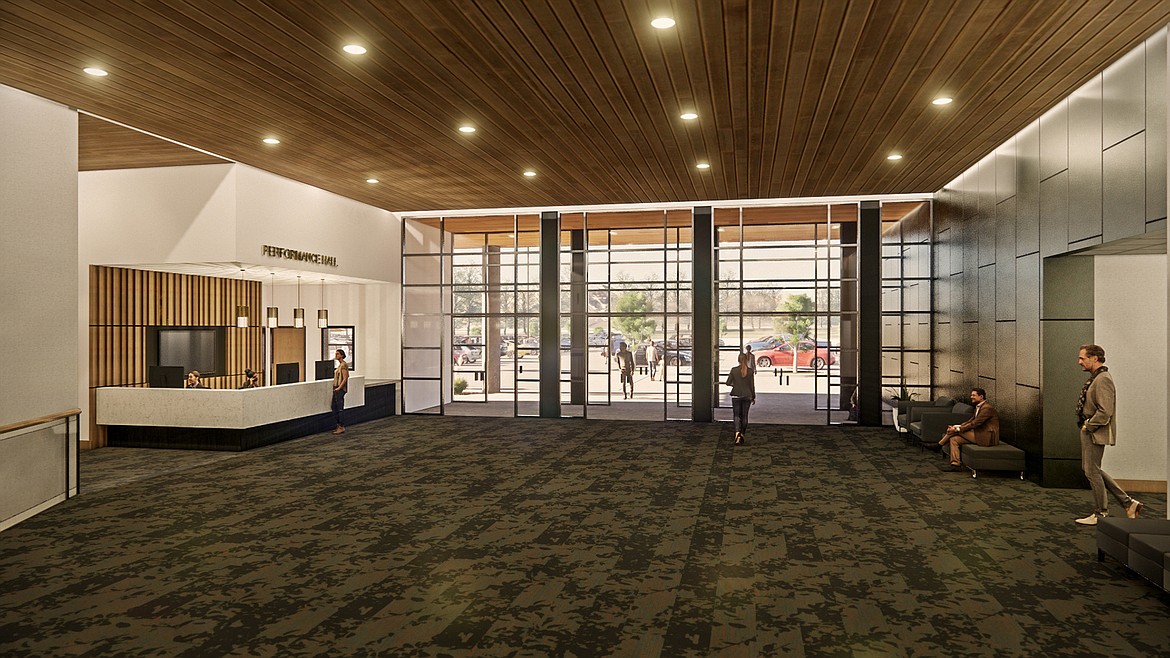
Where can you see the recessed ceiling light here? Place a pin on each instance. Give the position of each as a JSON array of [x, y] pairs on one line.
[[96, 72], [689, 116], [942, 100], [702, 165], [371, 181], [466, 129], [354, 49], [894, 156], [530, 173], [271, 140], [662, 22]]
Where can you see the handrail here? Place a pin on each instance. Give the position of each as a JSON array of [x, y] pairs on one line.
[[68, 413]]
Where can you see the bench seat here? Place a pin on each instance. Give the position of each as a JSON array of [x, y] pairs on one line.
[[1002, 457]]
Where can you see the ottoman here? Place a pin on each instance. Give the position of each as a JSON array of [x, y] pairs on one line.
[[1002, 457], [1147, 555], [1113, 535]]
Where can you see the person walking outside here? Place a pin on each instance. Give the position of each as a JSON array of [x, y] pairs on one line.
[[652, 358], [625, 364], [742, 380], [340, 386], [1095, 417]]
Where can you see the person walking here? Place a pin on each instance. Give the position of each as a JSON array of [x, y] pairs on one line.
[[742, 380], [652, 358], [1096, 419], [340, 386], [625, 364]]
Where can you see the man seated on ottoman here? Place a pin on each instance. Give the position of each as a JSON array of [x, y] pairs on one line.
[[982, 429]]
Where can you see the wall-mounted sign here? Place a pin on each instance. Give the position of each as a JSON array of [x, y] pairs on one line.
[[296, 254]]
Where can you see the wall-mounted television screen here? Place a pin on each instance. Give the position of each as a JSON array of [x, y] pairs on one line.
[[325, 369], [287, 373], [193, 348], [166, 376]]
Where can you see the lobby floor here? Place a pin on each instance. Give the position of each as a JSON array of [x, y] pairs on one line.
[[420, 536]]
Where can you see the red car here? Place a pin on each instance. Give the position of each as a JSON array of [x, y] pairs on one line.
[[808, 356]]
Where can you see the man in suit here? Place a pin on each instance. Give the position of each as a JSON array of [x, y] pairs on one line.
[[1096, 417], [982, 429]]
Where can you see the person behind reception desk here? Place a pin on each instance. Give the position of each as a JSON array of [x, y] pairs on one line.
[[250, 379], [193, 380], [340, 386]]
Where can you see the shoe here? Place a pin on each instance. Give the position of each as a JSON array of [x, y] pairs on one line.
[[738, 438], [339, 430], [951, 468], [1091, 519], [1135, 508]]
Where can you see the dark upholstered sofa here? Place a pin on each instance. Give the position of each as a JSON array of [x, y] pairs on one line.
[[1143, 545], [902, 413], [928, 424]]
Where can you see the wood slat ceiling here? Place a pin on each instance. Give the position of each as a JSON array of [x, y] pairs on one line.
[[795, 98]]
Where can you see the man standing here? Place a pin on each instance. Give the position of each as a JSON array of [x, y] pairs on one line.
[[340, 386], [652, 358], [1096, 419], [625, 364], [982, 429]]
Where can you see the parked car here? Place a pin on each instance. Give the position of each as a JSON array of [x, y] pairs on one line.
[[807, 356], [763, 344], [465, 354], [510, 348]]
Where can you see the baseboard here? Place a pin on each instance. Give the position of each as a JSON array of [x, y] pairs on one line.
[[1142, 486]]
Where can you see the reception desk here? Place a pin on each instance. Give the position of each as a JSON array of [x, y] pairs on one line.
[[227, 419]]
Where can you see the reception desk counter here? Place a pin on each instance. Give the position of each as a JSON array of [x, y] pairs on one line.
[[226, 419]]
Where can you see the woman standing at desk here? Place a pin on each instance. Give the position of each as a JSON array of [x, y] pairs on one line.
[[340, 386]]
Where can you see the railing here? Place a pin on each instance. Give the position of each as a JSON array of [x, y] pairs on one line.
[[72, 435]]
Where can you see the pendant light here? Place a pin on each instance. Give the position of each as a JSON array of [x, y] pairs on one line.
[[272, 312], [322, 313], [298, 312], [242, 310]]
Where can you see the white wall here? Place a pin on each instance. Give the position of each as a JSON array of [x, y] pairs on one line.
[[1130, 307], [38, 296], [158, 215], [38, 291], [371, 308], [283, 213]]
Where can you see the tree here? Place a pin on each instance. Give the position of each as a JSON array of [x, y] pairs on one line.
[[796, 323], [635, 327]]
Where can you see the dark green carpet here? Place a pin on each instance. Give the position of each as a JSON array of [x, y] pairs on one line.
[[499, 537]]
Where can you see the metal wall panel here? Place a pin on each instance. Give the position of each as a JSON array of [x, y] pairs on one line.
[[1005, 260], [1054, 141], [1028, 320], [1054, 215], [1084, 162], [1028, 190], [1123, 193], [1156, 72], [1123, 98]]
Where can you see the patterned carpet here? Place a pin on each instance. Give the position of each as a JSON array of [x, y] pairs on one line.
[[521, 537]]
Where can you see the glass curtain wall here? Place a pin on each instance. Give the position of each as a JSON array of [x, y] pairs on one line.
[[782, 291], [907, 313], [471, 315], [636, 290]]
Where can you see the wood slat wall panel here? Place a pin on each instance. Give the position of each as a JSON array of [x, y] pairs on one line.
[[124, 302]]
